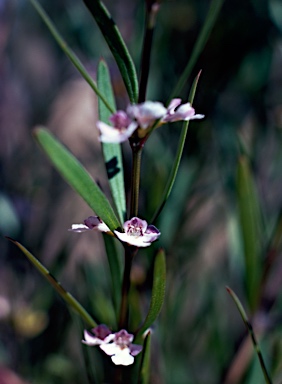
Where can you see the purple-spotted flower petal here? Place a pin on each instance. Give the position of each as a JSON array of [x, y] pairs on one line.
[[117, 345], [177, 111], [92, 222], [138, 233], [98, 335], [146, 113]]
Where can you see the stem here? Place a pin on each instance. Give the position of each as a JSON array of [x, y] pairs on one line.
[[151, 13], [135, 178], [128, 257]]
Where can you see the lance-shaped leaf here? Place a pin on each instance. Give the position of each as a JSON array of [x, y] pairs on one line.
[[77, 176], [158, 292], [115, 270], [250, 223], [116, 45], [251, 333], [144, 372], [178, 156], [111, 151], [68, 51], [66, 296], [203, 36]]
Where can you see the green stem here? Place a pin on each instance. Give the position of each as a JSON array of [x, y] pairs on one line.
[[135, 178]]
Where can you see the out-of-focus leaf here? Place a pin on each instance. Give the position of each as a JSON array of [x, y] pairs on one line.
[[112, 151], [70, 54], [178, 156], [66, 296], [144, 373], [158, 292], [77, 176], [203, 36], [115, 269], [250, 223], [251, 333], [117, 46]]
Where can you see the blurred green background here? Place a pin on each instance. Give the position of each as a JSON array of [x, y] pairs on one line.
[[223, 210]]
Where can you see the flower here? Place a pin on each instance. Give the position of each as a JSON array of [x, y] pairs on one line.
[[146, 113], [138, 233], [177, 111], [117, 345], [102, 334], [92, 222], [122, 128], [121, 350]]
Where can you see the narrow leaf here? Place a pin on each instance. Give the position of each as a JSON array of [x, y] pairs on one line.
[[115, 270], [66, 296], [178, 156], [112, 152], [144, 373], [251, 229], [203, 36], [77, 176], [117, 46], [67, 50], [251, 333], [158, 292]]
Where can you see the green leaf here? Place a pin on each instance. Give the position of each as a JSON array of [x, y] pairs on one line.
[[77, 176], [203, 36], [158, 292], [250, 223], [112, 152], [117, 46], [70, 54], [144, 373], [178, 156], [115, 269], [66, 296], [251, 333]]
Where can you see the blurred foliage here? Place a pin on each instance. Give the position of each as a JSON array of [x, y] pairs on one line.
[[199, 337]]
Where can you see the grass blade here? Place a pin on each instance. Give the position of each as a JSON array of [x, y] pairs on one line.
[[144, 373], [67, 50], [178, 156], [112, 151], [250, 224], [214, 10], [77, 176], [251, 333], [158, 292], [117, 46], [66, 296]]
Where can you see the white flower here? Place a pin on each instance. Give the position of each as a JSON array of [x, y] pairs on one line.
[[117, 345], [121, 350], [122, 128], [138, 233], [177, 111], [92, 222], [146, 113], [102, 336]]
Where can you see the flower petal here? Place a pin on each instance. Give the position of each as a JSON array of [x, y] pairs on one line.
[[123, 358], [115, 135], [94, 222], [146, 113], [137, 241], [79, 228]]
